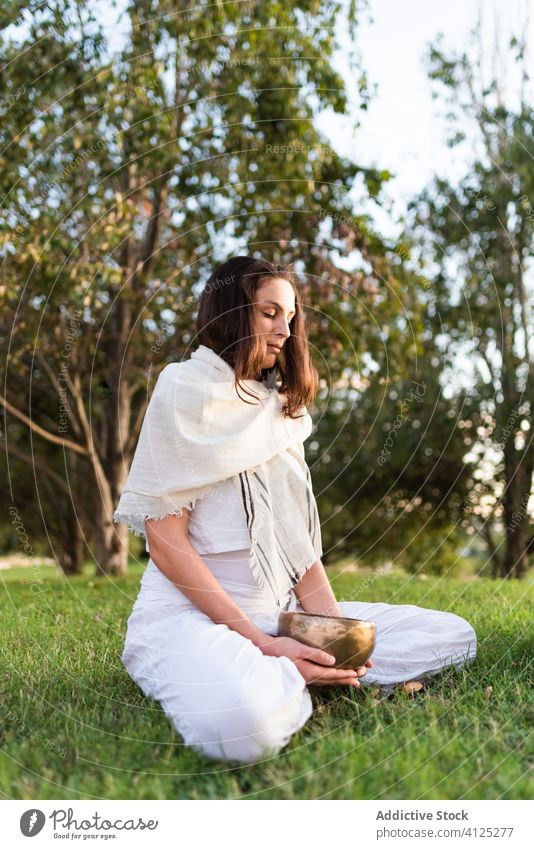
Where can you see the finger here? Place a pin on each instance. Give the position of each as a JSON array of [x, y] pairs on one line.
[[318, 656], [329, 678]]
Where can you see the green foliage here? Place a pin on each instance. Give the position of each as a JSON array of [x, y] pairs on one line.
[[479, 233], [389, 470], [125, 175]]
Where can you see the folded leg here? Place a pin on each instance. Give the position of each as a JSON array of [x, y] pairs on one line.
[[411, 641], [225, 697]]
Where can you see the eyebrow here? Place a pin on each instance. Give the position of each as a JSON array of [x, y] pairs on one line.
[[278, 305]]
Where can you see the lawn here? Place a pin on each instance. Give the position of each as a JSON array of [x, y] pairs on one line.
[[74, 726]]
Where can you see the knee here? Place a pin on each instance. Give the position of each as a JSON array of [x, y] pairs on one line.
[[248, 729], [258, 733], [463, 639], [469, 637]]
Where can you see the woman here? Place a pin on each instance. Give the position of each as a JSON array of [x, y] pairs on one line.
[[220, 489]]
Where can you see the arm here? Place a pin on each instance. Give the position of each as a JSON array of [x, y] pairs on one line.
[[178, 560], [315, 593], [175, 557]]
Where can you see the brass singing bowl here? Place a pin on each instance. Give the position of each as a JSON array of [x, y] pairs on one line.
[[351, 641]]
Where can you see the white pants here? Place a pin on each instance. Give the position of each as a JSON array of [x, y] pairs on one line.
[[225, 697]]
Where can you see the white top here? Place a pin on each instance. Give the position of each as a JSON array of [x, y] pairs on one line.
[[217, 522], [199, 431]]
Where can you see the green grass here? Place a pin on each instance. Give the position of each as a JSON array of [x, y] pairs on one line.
[[74, 725]]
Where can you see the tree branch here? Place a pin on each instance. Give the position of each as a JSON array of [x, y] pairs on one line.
[[35, 461], [55, 383], [58, 440], [50, 473], [91, 448], [153, 230]]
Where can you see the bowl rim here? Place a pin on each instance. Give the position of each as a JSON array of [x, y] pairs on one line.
[[347, 619]]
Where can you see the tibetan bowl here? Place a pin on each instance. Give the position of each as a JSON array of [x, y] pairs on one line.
[[351, 641]]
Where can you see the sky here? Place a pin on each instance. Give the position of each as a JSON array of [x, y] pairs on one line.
[[393, 37], [393, 45], [404, 129]]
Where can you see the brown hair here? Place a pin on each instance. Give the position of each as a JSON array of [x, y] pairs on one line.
[[225, 324]]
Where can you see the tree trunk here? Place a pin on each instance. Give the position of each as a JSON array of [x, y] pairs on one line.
[[496, 561], [111, 545], [516, 561], [111, 462], [111, 539], [517, 462], [73, 549], [517, 520], [518, 481]]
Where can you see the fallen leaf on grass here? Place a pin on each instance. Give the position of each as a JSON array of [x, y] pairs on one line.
[[488, 692], [412, 687]]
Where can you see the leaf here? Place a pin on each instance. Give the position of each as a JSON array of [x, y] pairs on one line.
[[412, 687]]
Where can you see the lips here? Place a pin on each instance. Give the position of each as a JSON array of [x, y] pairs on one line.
[[275, 347]]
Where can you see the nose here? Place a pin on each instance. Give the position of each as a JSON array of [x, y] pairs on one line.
[[282, 327]]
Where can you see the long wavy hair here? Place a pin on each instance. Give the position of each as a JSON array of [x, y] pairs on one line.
[[225, 323]]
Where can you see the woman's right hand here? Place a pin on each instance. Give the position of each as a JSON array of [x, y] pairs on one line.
[[315, 665]]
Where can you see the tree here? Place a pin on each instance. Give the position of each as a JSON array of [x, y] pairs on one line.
[[388, 454], [124, 176], [480, 232]]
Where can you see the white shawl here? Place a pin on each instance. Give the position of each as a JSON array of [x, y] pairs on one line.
[[197, 431]]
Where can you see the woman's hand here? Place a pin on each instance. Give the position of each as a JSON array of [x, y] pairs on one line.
[[315, 665]]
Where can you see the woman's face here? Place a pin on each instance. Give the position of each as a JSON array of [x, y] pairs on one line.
[[273, 309]]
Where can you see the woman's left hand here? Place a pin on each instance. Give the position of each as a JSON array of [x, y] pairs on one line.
[[335, 610], [362, 670]]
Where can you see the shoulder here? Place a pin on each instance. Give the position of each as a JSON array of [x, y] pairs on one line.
[[169, 383], [202, 363], [170, 370], [184, 371], [189, 379]]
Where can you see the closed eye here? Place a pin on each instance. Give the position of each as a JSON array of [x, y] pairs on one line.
[[273, 315]]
